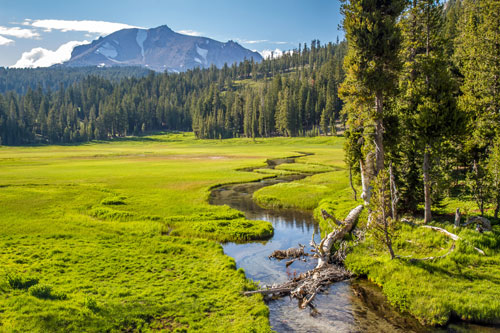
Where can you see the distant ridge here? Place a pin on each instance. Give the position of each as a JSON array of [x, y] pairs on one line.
[[160, 49]]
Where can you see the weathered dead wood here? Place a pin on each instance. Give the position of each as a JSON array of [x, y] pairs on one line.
[[452, 248], [327, 216], [324, 248], [458, 217], [483, 221], [450, 235], [307, 301], [351, 184], [293, 252], [289, 262], [268, 291]]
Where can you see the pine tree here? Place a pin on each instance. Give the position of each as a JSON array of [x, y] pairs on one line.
[[478, 58], [371, 66], [427, 105]]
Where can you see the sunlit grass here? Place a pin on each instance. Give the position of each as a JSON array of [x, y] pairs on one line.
[[119, 235]]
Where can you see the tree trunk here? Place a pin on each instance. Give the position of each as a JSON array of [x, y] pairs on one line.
[[394, 194], [379, 132], [352, 185], [365, 182], [497, 209], [427, 186], [458, 216]]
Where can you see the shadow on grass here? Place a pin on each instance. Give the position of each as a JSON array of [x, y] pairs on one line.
[[434, 269], [146, 137]]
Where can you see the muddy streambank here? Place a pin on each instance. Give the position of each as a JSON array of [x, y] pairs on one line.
[[347, 306]]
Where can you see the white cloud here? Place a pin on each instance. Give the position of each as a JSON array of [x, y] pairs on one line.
[[244, 41], [190, 32], [266, 54], [18, 32], [5, 41], [259, 41], [40, 57], [98, 27]]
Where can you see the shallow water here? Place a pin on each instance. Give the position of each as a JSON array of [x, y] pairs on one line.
[[348, 306]]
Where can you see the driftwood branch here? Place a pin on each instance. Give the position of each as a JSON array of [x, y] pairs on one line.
[[443, 231], [327, 217], [450, 235], [293, 252], [268, 291], [452, 248]]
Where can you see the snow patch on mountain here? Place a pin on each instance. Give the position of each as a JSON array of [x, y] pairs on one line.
[[107, 50], [202, 52], [140, 38]]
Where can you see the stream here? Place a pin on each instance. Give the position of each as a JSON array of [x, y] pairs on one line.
[[347, 306]]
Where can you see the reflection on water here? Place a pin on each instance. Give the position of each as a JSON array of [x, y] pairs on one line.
[[356, 306]]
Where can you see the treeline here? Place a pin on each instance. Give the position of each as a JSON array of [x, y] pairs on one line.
[[295, 94], [20, 80], [422, 94]]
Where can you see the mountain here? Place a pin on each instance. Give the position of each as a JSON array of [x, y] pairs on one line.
[[158, 49]]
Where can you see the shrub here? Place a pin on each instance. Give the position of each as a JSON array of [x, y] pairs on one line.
[[44, 291], [21, 282], [113, 201], [91, 304]]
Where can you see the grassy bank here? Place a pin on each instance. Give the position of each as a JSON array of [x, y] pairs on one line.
[[463, 285], [119, 235]]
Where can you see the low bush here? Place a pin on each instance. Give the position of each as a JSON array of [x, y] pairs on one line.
[[113, 201], [44, 291], [16, 281]]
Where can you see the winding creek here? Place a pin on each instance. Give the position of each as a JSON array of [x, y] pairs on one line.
[[348, 306]]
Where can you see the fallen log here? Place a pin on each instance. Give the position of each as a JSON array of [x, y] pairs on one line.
[[267, 291], [324, 248], [433, 258], [484, 222], [450, 235], [293, 252]]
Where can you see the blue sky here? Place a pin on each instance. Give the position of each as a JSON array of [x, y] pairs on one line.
[[46, 31]]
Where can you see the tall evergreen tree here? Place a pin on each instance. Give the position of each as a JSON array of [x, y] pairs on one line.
[[372, 66], [427, 105], [478, 57]]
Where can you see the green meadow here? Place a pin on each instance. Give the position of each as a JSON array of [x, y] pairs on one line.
[[119, 235]]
